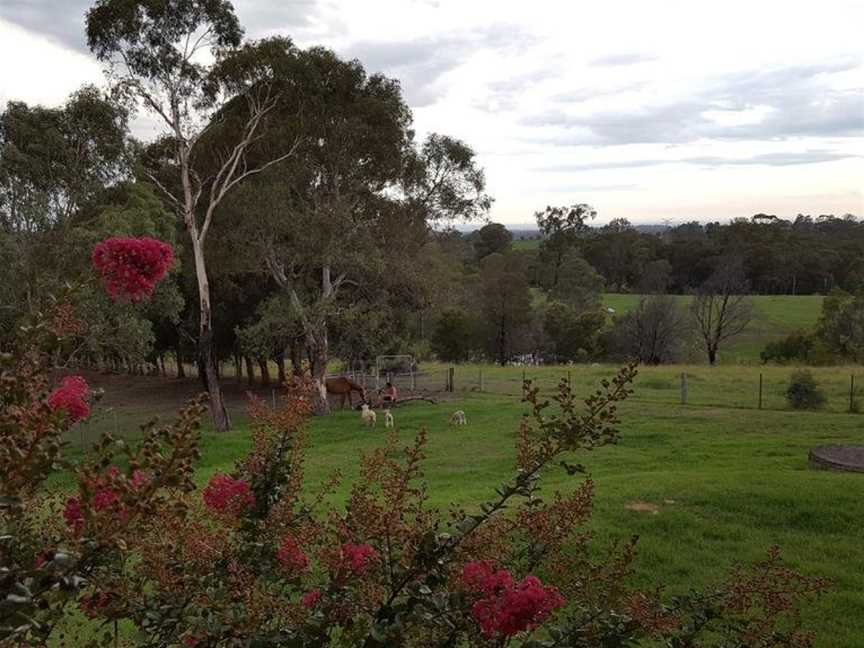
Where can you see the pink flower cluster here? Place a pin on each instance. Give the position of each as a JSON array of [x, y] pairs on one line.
[[131, 267], [356, 559], [106, 498], [224, 494], [291, 556], [310, 599], [71, 397], [506, 607]]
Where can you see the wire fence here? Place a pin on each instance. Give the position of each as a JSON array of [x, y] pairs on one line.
[[729, 387]]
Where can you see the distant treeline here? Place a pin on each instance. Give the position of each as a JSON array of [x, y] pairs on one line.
[[806, 255]]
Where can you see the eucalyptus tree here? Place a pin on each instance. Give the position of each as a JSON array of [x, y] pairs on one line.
[[341, 221], [562, 229], [183, 61]]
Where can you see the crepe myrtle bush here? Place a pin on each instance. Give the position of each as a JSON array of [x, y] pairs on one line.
[[138, 553]]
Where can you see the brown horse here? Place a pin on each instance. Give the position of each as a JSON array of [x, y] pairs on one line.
[[341, 386]]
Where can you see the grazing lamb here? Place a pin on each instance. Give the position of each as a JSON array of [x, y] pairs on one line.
[[458, 418], [388, 419], [368, 416]]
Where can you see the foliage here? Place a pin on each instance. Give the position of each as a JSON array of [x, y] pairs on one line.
[[841, 326], [795, 347], [562, 229], [573, 335], [578, 284], [453, 336], [505, 305], [492, 237], [803, 391], [655, 332]]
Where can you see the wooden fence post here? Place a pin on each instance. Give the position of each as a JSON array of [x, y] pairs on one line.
[[760, 390], [851, 393], [523, 383], [683, 387], [481, 379], [451, 375]]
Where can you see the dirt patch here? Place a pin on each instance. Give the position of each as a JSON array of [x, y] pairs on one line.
[[641, 506]]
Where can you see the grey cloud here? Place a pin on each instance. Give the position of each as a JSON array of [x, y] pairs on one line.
[[621, 59], [64, 20], [765, 159], [420, 63], [60, 20], [802, 105]]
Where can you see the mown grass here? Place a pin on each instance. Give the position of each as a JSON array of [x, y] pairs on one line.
[[727, 480]]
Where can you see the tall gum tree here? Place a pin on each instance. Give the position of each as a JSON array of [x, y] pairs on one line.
[[183, 61], [351, 207]]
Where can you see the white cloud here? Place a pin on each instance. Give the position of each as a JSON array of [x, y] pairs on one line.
[[647, 109]]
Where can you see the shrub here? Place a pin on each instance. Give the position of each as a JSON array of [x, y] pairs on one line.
[[796, 347], [803, 391]]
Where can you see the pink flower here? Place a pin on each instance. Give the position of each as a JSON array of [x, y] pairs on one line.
[[104, 499], [139, 479], [190, 641], [357, 558], [224, 494], [506, 608], [131, 267], [291, 556], [480, 576], [310, 599], [74, 515], [71, 397]]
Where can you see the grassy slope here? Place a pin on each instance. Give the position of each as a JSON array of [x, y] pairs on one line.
[[775, 316]]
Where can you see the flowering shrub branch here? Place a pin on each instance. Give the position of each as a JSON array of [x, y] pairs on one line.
[[253, 559]]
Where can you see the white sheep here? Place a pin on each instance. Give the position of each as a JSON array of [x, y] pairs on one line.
[[458, 418], [368, 415]]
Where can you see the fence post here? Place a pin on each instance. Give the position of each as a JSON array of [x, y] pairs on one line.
[[851, 393], [413, 380], [450, 375], [760, 390], [683, 387], [481, 379], [523, 383]]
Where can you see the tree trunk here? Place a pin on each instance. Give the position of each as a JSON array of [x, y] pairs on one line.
[[280, 366], [296, 351], [181, 370], [250, 370], [318, 357], [712, 356], [238, 368], [206, 361], [265, 371]]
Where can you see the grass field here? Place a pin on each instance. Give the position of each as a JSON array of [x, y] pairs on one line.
[[720, 482], [526, 244], [774, 317]]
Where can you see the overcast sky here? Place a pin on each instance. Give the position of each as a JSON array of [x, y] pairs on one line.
[[647, 109]]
